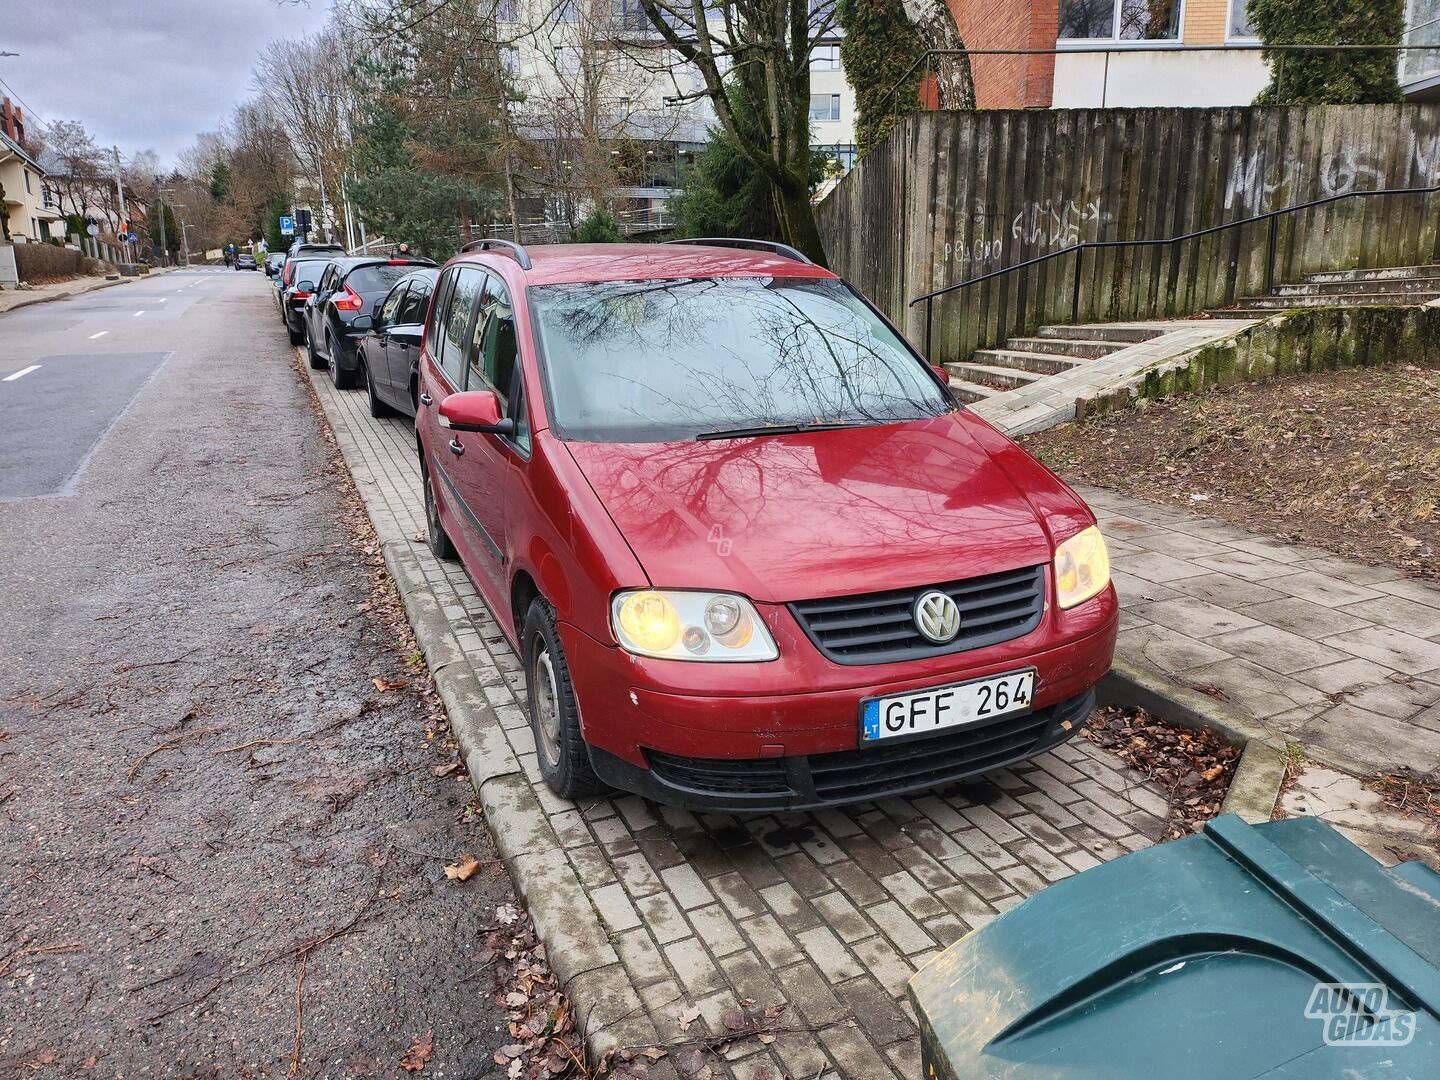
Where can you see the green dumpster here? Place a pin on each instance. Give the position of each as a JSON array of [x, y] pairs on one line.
[[1278, 950]]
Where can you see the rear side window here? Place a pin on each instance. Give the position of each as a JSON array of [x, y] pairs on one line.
[[391, 305], [375, 279], [307, 270], [412, 310], [463, 296]]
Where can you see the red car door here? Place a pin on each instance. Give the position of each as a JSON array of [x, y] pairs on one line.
[[487, 459], [453, 454]]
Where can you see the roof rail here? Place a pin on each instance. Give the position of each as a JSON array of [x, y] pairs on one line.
[[521, 256], [783, 250]]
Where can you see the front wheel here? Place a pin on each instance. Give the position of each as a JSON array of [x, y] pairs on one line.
[[560, 747], [378, 408], [436, 537], [343, 380], [316, 360]]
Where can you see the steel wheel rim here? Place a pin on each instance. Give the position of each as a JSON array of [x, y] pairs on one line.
[[546, 703]]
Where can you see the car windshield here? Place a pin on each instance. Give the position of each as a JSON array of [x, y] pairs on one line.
[[369, 279], [665, 361]]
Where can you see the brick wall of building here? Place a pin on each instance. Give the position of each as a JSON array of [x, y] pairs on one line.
[[1010, 82], [1206, 22]]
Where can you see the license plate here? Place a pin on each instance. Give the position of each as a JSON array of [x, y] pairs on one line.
[[924, 711]]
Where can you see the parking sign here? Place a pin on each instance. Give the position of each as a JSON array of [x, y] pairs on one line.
[[287, 225]]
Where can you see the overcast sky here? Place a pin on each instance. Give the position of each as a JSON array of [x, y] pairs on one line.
[[146, 74]]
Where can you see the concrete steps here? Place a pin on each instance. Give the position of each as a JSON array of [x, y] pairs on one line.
[[1386, 286], [1005, 378], [1040, 363], [1427, 283], [970, 392], [1079, 348], [1379, 273], [1116, 332]]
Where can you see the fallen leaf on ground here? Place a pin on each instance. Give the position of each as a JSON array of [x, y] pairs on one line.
[[419, 1055], [464, 869], [384, 685], [688, 1017]]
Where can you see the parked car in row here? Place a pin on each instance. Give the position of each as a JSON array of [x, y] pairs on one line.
[[753, 553], [389, 355], [273, 262], [294, 288], [246, 261], [348, 287]]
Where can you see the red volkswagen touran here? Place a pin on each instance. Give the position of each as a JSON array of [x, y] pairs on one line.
[[754, 554]]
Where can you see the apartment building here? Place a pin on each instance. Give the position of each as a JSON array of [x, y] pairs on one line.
[[29, 205]]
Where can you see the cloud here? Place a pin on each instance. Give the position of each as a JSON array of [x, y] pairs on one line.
[[144, 74]]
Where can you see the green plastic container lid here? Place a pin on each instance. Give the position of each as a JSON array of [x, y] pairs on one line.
[[1274, 950]]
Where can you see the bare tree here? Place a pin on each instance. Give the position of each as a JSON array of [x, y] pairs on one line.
[[764, 46]]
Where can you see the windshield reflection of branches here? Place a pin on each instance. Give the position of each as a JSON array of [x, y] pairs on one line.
[[670, 359]]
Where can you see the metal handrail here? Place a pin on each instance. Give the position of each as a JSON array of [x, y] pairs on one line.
[[1079, 249]]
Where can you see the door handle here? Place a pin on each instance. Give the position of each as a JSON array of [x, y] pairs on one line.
[[455, 447], [404, 344], [425, 399]]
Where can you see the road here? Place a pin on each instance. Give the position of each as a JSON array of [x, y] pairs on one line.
[[199, 775]]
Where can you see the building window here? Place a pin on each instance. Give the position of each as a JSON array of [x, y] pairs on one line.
[[505, 11], [1240, 20], [825, 58], [1120, 20], [27, 181], [1422, 27], [824, 106]]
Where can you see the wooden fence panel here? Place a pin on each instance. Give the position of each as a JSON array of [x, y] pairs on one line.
[[951, 196]]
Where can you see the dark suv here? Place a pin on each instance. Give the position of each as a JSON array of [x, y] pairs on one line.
[[348, 287]]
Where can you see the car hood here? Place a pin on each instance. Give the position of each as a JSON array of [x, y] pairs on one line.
[[793, 517]]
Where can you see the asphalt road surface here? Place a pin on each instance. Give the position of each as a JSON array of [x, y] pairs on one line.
[[199, 776]]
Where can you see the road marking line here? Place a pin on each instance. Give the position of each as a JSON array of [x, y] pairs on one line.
[[163, 299], [102, 333], [138, 314], [22, 371]]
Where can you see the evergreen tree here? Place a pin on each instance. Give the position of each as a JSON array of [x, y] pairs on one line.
[[1329, 78]]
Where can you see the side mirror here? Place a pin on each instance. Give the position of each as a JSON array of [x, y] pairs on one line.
[[362, 322], [941, 373], [475, 410], [305, 286]]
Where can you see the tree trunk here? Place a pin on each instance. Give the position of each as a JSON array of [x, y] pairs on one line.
[[798, 227], [954, 85]]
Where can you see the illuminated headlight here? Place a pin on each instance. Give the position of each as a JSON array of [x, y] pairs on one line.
[[683, 625], [1082, 568]]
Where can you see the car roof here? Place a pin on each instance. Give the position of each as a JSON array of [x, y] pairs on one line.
[[560, 264], [351, 262]]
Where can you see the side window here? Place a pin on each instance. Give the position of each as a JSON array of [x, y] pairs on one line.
[[492, 361], [437, 313], [412, 311], [463, 296], [391, 305]]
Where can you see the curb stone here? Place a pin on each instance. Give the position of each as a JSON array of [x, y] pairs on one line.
[[577, 947], [1255, 788]]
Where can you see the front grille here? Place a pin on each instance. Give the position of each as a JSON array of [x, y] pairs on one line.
[[853, 775], [879, 628], [764, 776], [865, 773]]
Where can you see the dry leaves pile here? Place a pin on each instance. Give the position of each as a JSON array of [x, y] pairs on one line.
[[1193, 767], [544, 1042]]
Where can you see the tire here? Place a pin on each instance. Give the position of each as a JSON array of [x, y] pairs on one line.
[[297, 337], [378, 408], [560, 748], [343, 380], [436, 537], [316, 360]]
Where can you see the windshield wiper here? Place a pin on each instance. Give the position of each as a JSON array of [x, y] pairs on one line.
[[780, 429]]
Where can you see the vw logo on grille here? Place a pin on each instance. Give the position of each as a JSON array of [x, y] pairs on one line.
[[937, 617]]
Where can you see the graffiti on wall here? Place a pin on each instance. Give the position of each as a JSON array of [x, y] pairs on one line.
[[1252, 185]]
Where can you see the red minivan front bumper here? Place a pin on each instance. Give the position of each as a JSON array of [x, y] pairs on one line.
[[785, 735]]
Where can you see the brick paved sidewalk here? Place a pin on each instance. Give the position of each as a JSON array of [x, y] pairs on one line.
[[1336, 655], [828, 913]]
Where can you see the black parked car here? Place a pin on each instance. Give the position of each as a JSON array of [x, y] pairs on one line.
[[273, 262], [297, 282], [347, 289], [389, 353]]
